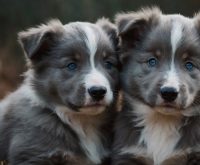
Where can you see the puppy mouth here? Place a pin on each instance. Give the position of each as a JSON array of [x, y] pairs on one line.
[[88, 105], [168, 108], [73, 106], [170, 105], [95, 104]]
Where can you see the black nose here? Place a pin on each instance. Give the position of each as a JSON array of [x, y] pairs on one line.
[[169, 94], [97, 92]]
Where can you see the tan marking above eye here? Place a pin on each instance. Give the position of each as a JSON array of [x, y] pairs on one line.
[[104, 54], [157, 53], [185, 56], [77, 56]]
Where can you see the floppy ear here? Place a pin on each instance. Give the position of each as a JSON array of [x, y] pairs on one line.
[[110, 30], [133, 26], [37, 41]]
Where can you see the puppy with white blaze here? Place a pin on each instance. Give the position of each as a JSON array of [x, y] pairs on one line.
[[63, 111], [160, 119]]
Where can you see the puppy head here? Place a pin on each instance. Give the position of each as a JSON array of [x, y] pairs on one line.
[[161, 59], [73, 65]]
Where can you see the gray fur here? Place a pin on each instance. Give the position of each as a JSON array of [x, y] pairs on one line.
[[41, 122], [146, 120]]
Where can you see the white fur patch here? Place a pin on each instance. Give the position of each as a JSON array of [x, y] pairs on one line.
[[172, 79], [176, 35], [94, 77], [135, 150], [92, 41], [86, 128], [160, 132], [161, 135]]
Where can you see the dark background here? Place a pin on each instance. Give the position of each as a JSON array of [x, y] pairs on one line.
[[17, 15]]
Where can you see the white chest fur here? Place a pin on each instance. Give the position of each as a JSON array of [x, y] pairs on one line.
[[160, 134], [86, 128]]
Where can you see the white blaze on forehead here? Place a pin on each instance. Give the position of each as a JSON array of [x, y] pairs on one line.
[[91, 41], [172, 79], [94, 77], [176, 35]]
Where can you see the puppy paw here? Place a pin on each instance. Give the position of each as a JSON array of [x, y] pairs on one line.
[[194, 159]]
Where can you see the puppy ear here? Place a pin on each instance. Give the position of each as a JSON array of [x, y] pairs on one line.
[[110, 30], [37, 41], [197, 22], [133, 26]]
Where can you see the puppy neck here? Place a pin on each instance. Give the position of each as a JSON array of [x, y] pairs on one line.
[[160, 133]]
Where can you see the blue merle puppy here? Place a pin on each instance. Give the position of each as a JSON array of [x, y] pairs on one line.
[[160, 120], [63, 111]]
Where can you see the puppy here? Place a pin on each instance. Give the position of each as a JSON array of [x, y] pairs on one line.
[[160, 120], [63, 111]]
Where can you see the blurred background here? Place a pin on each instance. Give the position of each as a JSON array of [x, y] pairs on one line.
[[17, 15]]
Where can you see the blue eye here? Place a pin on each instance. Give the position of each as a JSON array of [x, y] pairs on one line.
[[152, 62], [108, 65], [72, 66], [189, 66]]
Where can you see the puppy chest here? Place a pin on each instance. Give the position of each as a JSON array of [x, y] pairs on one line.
[[90, 139], [160, 136], [94, 148]]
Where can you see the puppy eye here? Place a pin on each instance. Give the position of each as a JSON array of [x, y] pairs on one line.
[[152, 62], [72, 66], [189, 66], [109, 65]]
